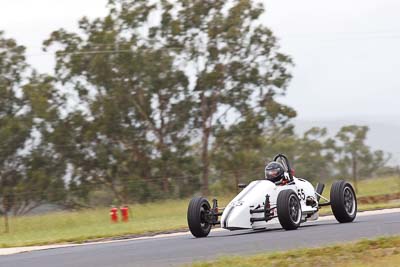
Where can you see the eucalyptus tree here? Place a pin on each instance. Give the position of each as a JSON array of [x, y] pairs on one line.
[[356, 158], [315, 155], [24, 108], [231, 59], [128, 127], [15, 124]]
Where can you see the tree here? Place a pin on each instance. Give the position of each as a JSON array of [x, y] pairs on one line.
[[242, 149], [131, 134], [154, 76], [231, 60], [23, 108], [356, 156], [236, 153], [315, 153], [15, 123]]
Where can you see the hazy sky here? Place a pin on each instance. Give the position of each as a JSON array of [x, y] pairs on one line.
[[347, 53]]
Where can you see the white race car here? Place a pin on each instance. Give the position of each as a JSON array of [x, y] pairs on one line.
[[290, 201]]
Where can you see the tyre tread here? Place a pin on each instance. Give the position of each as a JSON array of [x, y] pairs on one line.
[[282, 210], [337, 207], [193, 217]]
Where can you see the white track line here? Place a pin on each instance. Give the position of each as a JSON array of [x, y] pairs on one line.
[[9, 251]]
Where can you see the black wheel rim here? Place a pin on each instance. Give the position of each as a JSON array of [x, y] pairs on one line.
[[349, 201], [294, 209], [204, 210]]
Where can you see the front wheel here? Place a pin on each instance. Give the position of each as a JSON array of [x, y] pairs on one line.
[[198, 210], [289, 209], [343, 202]]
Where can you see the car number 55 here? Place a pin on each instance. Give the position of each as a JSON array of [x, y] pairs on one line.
[[300, 193]]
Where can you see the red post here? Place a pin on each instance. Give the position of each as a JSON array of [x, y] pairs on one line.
[[124, 213], [114, 215]]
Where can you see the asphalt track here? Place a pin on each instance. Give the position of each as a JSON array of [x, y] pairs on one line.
[[180, 249]]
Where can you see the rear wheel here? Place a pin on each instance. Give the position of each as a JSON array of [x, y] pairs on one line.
[[288, 209], [198, 211], [343, 202]]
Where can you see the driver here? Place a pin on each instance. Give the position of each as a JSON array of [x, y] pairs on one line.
[[274, 172]]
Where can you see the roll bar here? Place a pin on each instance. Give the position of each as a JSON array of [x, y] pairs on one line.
[[285, 159]]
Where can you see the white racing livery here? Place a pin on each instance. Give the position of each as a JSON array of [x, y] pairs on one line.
[[290, 202]]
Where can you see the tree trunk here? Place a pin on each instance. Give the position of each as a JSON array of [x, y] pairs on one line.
[[165, 184], [164, 167], [110, 180], [6, 225], [6, 208], [205, 143], [117, 194], [206, 161], [236, 181]]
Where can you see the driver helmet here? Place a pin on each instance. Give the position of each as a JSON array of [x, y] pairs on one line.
[[274, 171]]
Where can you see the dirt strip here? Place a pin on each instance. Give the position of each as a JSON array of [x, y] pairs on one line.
[[378, 198]]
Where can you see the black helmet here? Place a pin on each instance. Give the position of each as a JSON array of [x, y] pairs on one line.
[[274, 171]]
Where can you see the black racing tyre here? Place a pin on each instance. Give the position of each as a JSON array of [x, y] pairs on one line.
[[343, 201], [196, 216], [289, 209]]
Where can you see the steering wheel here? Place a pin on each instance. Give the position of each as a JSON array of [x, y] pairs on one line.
[[285, 160]]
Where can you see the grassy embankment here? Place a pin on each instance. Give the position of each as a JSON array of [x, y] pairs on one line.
[[61, 227], [377, 252]]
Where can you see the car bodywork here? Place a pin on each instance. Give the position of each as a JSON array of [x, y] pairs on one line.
[[289, 201], [238, 215]]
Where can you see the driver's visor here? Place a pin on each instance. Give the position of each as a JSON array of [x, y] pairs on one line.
[[271, 173]]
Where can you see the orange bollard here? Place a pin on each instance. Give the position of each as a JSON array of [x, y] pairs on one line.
[[124, 213], [114, 214]]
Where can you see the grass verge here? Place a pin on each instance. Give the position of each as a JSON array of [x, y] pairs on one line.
[[145, 219], [364, 207], [378, 252], [374, 186], [80, 226]]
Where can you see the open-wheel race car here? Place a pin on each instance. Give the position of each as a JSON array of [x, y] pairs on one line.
[[286, 199]]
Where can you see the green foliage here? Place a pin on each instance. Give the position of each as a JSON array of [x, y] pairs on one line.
[[240, 154], [15, 124], [28, 176], [151, 97], [355, 157], [132, 137], [169, 98], [237, 68]]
